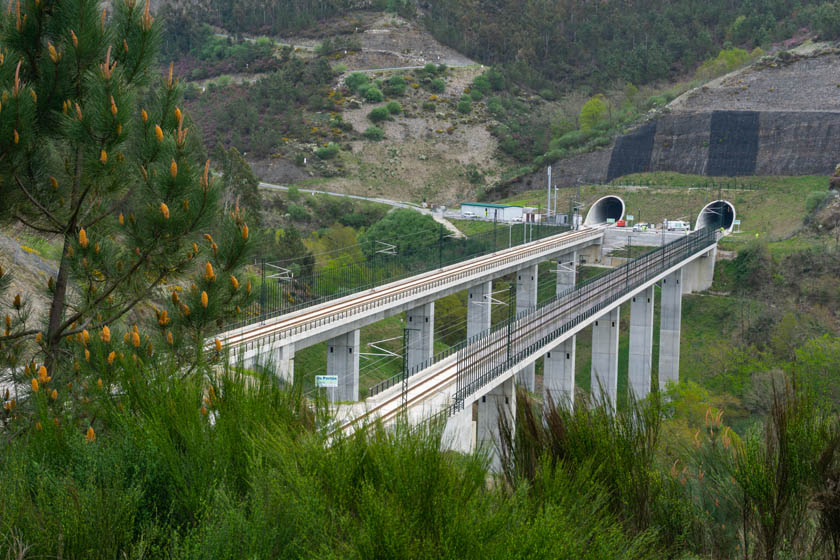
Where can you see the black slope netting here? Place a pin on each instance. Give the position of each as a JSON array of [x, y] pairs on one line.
[[632, 152], [733, 143]]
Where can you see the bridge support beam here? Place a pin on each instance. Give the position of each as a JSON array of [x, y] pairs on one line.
[[699, 274], [343, 361], [670, 317], [500, 400], [526, 298], [641, 343], [420, 341], [559, 362], [459, 432], [479, 308], [284, 362], [604, 387]]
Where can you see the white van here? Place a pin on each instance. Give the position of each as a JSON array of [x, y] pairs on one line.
[[677, 225]]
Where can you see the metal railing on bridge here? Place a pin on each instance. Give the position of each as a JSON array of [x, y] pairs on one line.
[[511, 341]]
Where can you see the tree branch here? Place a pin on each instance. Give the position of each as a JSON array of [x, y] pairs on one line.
[[40, 206], [36, 228], [18, 335]]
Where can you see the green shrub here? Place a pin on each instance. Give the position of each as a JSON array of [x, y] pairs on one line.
[[374, 133], [571, 140], [464, 106], [429, 106], [476, 95], [394, 107], [299, 213], [482, 84], [815, 200], [356, 80], [378, 114], [327, 152], [438, 85], [430, 69], [373, 95], [395, 86]]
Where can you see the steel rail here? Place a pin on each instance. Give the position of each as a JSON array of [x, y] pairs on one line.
[[339, 309]]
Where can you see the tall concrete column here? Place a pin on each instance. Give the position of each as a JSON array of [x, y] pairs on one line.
[[670, 317], [526, 298], [479, 308], [420, 339], [604, 387], [284, 362], [343, 361], [641, 343], [500, 400], [559, 362]]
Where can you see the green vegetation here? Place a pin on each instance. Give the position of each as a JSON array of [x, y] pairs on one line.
[[327, 152], [394, 107], [374, 133], [356, 80], [543, 44], [379, 114]]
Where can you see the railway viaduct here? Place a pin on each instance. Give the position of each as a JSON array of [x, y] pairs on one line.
[[475, 385]]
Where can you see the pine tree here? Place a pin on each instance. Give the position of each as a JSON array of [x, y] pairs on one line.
[[93, 155]]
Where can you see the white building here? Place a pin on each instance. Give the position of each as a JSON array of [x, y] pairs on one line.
[[488, 211]]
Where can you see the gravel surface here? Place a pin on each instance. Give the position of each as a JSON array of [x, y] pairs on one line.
[[799, 84]]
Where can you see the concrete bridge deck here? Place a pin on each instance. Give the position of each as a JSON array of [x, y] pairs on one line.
[[337, 317]]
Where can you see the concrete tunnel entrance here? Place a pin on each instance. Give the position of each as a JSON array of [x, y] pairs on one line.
[[719, 213], [605, 208]]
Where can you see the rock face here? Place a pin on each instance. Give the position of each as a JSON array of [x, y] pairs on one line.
[[732, 144]]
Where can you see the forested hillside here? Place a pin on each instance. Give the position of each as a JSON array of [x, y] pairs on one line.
[[576, 42]]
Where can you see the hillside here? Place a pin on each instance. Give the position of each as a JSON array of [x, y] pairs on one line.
[[776, 116]]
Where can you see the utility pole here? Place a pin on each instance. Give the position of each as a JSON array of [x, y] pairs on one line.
[[495, 215], [548, 195]]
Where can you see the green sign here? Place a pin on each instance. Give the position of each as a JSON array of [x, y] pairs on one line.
[[326, 381]]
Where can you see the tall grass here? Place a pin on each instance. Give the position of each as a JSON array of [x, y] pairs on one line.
[[215, 464]]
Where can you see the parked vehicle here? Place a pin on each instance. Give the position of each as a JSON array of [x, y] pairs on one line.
[[467, 214], [621, 223], [641, 226], [677, 225]]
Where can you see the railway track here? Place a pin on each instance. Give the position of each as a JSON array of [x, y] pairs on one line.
[[308, 319]]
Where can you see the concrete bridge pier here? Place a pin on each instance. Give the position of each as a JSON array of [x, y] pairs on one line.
[[500, 400], [284, 362], [526, 298], [699, 274], [559, 362], [669, 329], [641, 343], [343, 361], [420, 338], [479, 308], [604, 377]]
